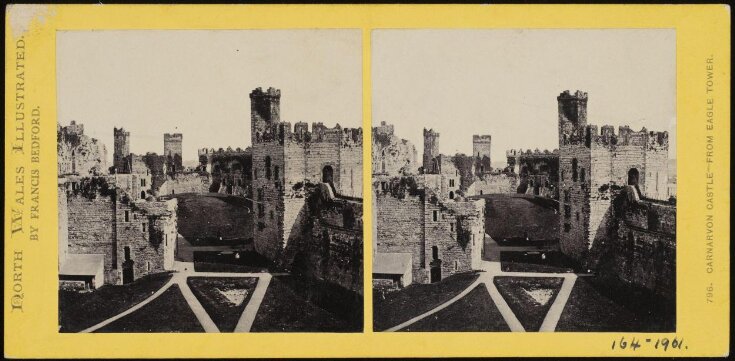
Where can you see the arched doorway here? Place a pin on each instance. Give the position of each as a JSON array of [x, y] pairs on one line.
[[633, 177], [127, 266], [142, 195], [328, 174], [436, 265]]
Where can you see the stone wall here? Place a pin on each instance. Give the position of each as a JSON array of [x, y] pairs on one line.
[[185, 183], [438, 232], [642, 246], [92, 230], [392, 155], [337, 243], [104, 219], [77, 153], [494, 183], [399, 205], [63, 225]]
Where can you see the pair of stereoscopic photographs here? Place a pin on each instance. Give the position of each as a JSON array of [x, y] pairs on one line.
[[212, 181]]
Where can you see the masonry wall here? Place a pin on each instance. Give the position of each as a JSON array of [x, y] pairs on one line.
[[92, 230], [579, 221], [457, 233], [392, 155], [79, 154], [63, 225], [504, 183], [337, 247], [150, 233], [185, 183], [400, 223], [268, 235], [350, 164], [642, 250]]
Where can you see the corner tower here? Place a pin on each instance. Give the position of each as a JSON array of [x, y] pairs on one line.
[[431, 151], [481, 152], [122, 149], [265, 112], [575, 159], [572, 116], [172, 145]]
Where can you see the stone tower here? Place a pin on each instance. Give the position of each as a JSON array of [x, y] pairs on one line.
[[481, 152], [172, 151], [431, 151], [574, 168], [572, 117], [265, 112], [122, 150]]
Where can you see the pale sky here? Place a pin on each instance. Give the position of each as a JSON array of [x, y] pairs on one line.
[[198, 82], [505, 83]]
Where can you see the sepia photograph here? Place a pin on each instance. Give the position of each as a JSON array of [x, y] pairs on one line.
[[524, 180], [210, 181]]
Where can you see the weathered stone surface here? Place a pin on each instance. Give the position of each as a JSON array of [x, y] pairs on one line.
[[77, 153]]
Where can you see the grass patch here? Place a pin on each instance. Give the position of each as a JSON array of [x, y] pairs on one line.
[[167, 313], [204, 218], [597, 307], [205, 261], [554, 262], [224, 313], [474, 312], [396, 307], [530, 311], [78, 311], [286, 310]]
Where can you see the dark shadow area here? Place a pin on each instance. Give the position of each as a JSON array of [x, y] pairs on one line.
[[393, 308], [168, 313], [230, 261], [80, 310], [483, 317], [286, 307]]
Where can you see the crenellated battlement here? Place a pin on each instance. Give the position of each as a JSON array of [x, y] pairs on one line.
[[72, 129], [222, 151], [320, 133], [172, 136], [534, 153], [625, 136], [577, 95], [270, 92], [120, 132], [481, 138], [430, 133]]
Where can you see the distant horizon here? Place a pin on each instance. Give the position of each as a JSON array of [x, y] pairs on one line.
[[197, 82]]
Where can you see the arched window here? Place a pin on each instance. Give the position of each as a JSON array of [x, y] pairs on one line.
[[276, 173], [268, 167], [582, 175], [435, 252], [574, 169]]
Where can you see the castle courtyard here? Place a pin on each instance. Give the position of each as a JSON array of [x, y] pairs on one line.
[[524, 285], [219, 284]]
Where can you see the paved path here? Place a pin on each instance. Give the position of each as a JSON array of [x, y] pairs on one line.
[[130, 310], [552, 318], [491, 270], [248, 315], [185, 270]]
